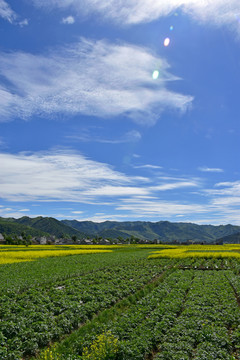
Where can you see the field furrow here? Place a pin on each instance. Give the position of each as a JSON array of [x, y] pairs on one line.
[[140, 327], [121, 305], [31, 319], [203, 330]]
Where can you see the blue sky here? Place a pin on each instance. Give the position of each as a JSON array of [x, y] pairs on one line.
[[120, 110]]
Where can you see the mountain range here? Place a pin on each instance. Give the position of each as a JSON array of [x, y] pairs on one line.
[[163, 231]]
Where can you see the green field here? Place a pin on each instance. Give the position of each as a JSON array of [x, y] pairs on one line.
[[123, 305]]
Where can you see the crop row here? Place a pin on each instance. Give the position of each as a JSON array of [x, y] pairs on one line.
[[20, 276], [31, 319], [205, 330], [142, 326], [192, 315]]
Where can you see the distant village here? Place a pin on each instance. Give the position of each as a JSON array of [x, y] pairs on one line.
[[98, 240], [53, 240]]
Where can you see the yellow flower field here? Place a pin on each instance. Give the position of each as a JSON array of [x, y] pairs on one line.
[[199, 251], [15, 254], [57, 247]]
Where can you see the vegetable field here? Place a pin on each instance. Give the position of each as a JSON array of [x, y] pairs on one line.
[[120, 303]]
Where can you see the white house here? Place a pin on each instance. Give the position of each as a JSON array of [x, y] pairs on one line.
[[2, 240]]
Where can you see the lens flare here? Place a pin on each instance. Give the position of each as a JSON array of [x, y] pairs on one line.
[[155, 74], [166, 42], [171, 28]]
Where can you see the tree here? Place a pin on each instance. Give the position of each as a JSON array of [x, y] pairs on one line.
[[120, 238], [74, 238], [132, 240], [9, 240], [110, 240]]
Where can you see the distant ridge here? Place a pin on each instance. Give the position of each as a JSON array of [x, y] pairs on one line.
[[230, 239], [163, 231]]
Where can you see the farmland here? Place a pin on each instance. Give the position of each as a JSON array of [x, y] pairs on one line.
[[120, 302]]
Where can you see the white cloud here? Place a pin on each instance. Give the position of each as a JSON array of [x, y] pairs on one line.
[[92, 78], [227, 201], [10, 15], [226, 196], [214, 12], [148, 166], [12, 212], [225, 189], [117, 191], [131, 136], [58, 176], [69, 20], [17, 214], [89, 136], [176, 185], [224, 202], [6, 12], [159, 207], [229, 184], [61, 176], [23, 22], [213, 170], [66, 176]]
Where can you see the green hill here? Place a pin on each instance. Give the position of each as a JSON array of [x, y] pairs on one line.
[[49, 225], [164, 231], [230, 239], [42, 225], [10, 227]]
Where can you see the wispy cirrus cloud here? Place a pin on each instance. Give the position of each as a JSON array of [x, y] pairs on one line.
[[94, 78], [160, 208], [210, 170], [65, 176], [87, 135], [54, 176], [176, 185], [224, 200], [225, 195], [14, 211], [148, 167], [6, 12], [214, 12]]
